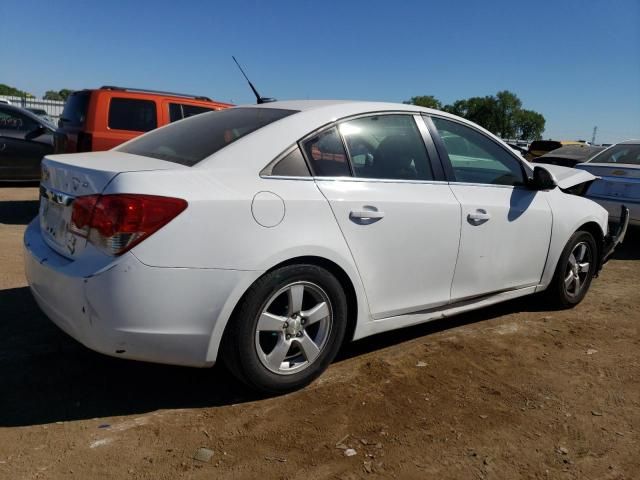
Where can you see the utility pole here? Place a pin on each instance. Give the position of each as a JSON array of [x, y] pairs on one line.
[[593, 137]]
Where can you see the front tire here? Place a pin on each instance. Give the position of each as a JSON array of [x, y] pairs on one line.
[[574, 272], [287, 329]]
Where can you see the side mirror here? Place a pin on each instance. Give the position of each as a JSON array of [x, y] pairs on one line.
[[542, 179], [35, 133]]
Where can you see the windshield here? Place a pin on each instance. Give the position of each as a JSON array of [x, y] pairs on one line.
[[623, 153], [189, 141]]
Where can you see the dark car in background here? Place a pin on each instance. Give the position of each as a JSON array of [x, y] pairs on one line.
[[24, 139], [569, 155]]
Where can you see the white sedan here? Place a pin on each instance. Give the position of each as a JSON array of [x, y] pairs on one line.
[[268, 235]]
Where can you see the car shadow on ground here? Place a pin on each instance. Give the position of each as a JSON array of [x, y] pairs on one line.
[[46, 376], [630, 248], [18, 212]]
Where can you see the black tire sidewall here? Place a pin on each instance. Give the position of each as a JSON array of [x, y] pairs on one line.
[[246, 363], [559, 290]]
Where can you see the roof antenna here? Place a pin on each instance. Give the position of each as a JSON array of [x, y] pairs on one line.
[[259, 99]]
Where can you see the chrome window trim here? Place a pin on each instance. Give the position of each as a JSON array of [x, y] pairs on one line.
[[377, 180]]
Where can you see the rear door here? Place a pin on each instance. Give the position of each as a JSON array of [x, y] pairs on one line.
[[505, 228], [401, 222]]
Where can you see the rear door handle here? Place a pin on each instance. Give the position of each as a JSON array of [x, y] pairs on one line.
[[366, 216], [2, 146], [479, 217]]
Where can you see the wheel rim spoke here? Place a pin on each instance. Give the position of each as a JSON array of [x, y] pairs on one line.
[[279, 352], [583, 267], [309, 348], [577, 285], [569, 280], [296, 293], [572, 260], [315, 314], [581, 252], [270, 323]]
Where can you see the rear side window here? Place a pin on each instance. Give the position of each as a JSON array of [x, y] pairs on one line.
[[75, 109], [291, 165], [12, 120], [196, 138], [326, 154], [387, 146], [178, 111], [132, 114]]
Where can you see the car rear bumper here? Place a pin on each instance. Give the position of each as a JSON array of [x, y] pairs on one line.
[[128, 309]]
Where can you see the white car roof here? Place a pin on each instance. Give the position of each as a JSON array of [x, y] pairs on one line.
[[271, 140]]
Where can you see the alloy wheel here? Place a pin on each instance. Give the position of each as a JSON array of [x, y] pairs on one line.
[[293, 328], [577, 269]]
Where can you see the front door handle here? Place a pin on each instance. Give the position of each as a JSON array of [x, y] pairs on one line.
[[479, 217], [2, 146], [365, 216]]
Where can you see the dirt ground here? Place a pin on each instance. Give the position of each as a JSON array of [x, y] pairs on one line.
[[512, 391]]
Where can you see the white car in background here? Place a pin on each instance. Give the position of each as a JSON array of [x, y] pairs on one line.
[[618, 183], [267, 235]]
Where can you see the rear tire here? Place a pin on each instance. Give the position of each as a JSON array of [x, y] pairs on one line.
[[574, 272], [287, 329]]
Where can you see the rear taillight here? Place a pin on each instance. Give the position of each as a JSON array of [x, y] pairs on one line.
[[85, 142], [116, 223]]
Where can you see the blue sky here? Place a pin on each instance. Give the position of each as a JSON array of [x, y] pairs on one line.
[[576, 62]]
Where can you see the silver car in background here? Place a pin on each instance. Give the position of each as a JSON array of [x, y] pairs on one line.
[[618, 169]]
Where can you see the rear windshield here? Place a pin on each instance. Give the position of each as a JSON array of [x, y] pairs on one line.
[[544, 145], [191, 140], [75, 109], [628, 153]]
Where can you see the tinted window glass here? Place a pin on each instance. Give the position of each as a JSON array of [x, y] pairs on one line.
[[387, 146], [131, 114], [12, 120], [629, 154], [75, 109], [194, 139], [475, 158], [291, 165], [178, 111], [326, 154]]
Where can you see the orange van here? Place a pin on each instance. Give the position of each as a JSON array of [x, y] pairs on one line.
[[102, 118]]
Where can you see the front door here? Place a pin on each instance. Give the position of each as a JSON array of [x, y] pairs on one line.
[[506, 228]]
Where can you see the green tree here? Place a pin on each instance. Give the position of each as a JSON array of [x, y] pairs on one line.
[[52, 95], [64, 93], [60, 95], [507, 107], [428, 101], [480, 110], [529, 125], [12, 91]]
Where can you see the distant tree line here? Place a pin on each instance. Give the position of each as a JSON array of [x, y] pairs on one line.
[[13, 92], [501, 114], [49, 94]]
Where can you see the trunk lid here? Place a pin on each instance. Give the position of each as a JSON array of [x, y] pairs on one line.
[[66, 177]]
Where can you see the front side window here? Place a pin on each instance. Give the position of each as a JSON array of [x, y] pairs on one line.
[[475, 158], [387, 147], [623, 153], [196, 138], [326, 154], [11, 120], [132, 114]]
